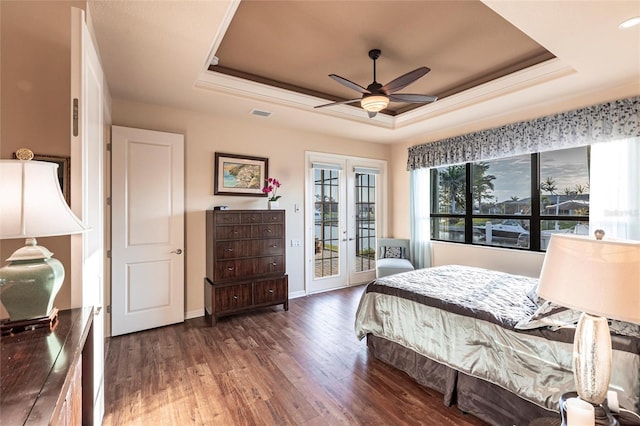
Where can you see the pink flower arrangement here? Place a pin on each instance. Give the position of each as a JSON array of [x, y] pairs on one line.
[[271, 188]]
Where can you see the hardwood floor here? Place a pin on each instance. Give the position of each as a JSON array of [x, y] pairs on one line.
[[269, 367]]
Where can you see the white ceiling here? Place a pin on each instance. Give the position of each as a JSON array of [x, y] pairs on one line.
[[158, 52]]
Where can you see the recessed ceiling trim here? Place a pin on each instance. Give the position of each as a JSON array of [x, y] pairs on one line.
[[222, 30], [223, 83], [520, 80], [537, 74]]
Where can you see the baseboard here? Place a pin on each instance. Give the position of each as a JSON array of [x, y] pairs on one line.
[[297, 294], [194, 314]]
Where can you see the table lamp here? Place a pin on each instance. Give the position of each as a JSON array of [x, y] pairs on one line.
[[32, 205], [601, 278]]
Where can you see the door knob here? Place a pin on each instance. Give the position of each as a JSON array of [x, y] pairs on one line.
[[179, 251]]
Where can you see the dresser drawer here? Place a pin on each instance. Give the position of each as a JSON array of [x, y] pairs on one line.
[[267, 230], [232, 297], [273, 217], [270, 291], [268, 265], [226, 218], [234, 249], [268, 246], [233, 232], [229, 269], [251, 217]]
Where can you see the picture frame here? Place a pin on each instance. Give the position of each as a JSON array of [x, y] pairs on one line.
[[63, 171], [240, 175]]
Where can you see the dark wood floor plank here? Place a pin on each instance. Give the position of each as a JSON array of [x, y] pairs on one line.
[[268, 367]]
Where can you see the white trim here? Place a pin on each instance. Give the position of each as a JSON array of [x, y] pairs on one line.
[[544, 72], [297, 294]]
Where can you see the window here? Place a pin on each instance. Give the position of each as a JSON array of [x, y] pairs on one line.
[[506, 203]]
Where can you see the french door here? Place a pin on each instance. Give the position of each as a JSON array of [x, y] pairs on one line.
[[345, 199]]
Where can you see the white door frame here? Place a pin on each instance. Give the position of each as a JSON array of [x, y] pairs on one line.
[[89, 108], [348, 275]]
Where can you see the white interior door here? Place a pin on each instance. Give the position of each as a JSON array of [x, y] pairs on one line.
[[147, 260], [87, 190], [344, 200]]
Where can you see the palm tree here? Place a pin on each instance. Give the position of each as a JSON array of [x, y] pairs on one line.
[[482, 183], [549, 185], [452, 182]]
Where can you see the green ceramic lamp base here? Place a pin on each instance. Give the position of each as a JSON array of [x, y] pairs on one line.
[[30, 282]]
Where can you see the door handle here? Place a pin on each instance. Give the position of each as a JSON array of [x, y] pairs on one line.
[[178, 251]]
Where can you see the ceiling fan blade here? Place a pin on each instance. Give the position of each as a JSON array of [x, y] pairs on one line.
[[348, 83], [338, 103], [371, 114], [411, 98], [405, 80]]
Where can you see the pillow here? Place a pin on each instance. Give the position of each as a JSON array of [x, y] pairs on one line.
[[533, 295], [551, 315], [624, 328], [393, 252], [555, 316]]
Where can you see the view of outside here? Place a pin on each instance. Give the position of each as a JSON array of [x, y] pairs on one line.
[[365, 222], [501, 198], [327, 222]]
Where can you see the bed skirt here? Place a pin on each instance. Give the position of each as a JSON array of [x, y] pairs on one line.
[[484, 400]]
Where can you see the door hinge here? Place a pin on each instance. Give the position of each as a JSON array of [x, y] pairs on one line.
[[108, 147], [75, 116], [108, 309], [109, 253], [108, 201]]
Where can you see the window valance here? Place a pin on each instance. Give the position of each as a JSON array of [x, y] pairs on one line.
[[584, 126]]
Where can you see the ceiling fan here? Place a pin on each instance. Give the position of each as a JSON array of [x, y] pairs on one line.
[[376, 97]]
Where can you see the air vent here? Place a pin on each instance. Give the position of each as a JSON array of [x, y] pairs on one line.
[[261, 113]]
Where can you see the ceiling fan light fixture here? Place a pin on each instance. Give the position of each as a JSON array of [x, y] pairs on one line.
[[374, 103]]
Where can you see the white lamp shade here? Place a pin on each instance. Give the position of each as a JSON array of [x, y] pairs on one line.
[[600, 277], [374, 103], [31, 201]]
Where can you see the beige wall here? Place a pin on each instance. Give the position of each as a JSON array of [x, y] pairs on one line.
[[35, 87], [206, 134]]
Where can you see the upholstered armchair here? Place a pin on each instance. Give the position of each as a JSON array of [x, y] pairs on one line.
[[393, 257]]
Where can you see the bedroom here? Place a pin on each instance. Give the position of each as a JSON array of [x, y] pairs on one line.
[[239, 135]]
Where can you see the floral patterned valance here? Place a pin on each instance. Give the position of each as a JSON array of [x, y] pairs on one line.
[[584, 126]]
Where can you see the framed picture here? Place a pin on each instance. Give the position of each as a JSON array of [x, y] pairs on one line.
[[240, 175], [63, 172]]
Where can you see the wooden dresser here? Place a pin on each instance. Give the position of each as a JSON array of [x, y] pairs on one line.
[[47, 375], [246, 261]]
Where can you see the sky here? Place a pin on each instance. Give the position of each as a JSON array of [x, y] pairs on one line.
[[567, 167]]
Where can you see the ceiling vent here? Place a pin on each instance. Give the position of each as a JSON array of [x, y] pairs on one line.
[[261, 113]]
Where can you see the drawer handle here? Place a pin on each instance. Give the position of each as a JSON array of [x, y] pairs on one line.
[[230, 268], [274, 246], [229, 248], [274, 263], [268, 230], [235, 231], [270, 290], [235, 297], [274, 217]]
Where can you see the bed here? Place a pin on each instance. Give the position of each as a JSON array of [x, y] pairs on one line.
[[485, 341]]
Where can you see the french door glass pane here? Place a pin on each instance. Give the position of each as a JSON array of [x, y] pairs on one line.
[[365, 254], [326, 222]]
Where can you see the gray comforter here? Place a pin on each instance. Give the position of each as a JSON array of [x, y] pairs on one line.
[[465, 318]]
